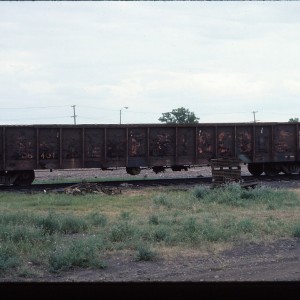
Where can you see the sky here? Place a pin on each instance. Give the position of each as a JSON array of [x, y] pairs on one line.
[[224, 61]]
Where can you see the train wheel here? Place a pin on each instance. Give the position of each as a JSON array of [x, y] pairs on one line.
[[290, 168], [158, 169], [25, 178], [255, 169], [179, 168], [271, 170], [133, 171]]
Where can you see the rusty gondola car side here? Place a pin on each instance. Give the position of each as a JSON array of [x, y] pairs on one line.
[[265, 147]]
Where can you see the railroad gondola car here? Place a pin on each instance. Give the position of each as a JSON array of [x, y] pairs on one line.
[[264, 147]]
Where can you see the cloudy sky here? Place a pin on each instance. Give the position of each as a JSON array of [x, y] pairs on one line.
[[221, 60]]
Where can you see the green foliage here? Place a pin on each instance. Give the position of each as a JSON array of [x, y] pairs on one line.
[[122, 232], [200, 192], [212, 232], [125, 215], [17, 218], [294, 120], [97, 219], [81, 253], [71, 224], [67, 224], [198, 219], [17, 234], [179, 116], [153, 219], [259, 194], [190, 229], [162, 200], [145, 253], [246, 225], [272, 225], [25, 273], [235, 195], [49, 224], [162, 233], [8, 258], [296, 230], [230, 195]]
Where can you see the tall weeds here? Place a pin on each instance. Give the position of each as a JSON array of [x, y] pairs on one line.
[[79, 234]]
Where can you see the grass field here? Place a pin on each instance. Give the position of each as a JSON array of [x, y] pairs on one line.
[[53, 232]]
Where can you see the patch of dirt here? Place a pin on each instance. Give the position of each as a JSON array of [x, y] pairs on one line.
[[277, 261]]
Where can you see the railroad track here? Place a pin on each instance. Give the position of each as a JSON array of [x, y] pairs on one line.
[[111, 183], [45, 188]]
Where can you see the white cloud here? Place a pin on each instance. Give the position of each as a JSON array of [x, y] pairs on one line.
[[216, 58], [38, 87], [292, 86]]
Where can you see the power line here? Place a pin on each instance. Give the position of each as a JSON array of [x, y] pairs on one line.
[[47, 118], [105, 109], [32, 107], [155, 113]]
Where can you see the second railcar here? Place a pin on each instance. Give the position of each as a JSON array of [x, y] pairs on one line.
[[265, 147]]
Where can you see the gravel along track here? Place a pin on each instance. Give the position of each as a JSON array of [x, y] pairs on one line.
[[43, 176]]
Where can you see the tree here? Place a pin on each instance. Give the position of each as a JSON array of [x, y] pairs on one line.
[[294, 120], [179, 116]]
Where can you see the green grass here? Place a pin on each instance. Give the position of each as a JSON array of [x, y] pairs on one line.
[[145, 253], [9, 258], [65, 224], [57, 233], [296, 230], [82, 253]]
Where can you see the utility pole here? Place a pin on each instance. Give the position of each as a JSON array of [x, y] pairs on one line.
[[126, 107], [74, 114], [254, 112]]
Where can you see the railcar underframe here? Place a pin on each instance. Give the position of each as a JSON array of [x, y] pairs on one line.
[[264, 147]]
